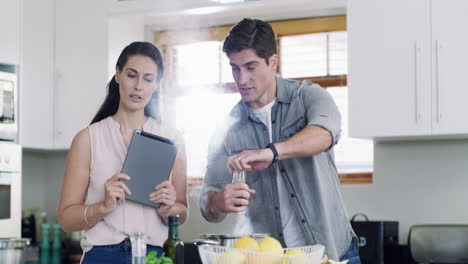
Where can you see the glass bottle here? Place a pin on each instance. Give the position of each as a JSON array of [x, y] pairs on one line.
[[239, 177], [45, 244], [56, 245], [138, 241], [173, 246]]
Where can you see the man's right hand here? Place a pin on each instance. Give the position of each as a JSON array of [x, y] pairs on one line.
[[233, 198]]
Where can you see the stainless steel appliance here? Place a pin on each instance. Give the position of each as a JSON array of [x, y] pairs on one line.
[[10, 190], [12, 250], [439, 243], [8, 102]]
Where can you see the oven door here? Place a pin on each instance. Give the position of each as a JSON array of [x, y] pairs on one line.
[[10, 190], [5, 199], [10, 205]]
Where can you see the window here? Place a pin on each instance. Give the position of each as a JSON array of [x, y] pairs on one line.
[[304, 55], [313, 49], [198, 121], [321, 55], [352, 155], [197, 63]]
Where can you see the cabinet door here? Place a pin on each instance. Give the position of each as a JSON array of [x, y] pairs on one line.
[[81, 65], [389, 92], [9, 31], [449, 46], [37, 77]]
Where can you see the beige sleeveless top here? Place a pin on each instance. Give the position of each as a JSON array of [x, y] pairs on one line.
[[108, 153]]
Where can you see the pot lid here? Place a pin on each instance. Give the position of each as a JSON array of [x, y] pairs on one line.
[[8, 243]]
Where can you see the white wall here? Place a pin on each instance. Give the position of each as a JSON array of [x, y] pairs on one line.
[[123, 30], [420, 182], [42, 180]]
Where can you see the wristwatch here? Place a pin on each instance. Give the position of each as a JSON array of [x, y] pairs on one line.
[[275, 152]]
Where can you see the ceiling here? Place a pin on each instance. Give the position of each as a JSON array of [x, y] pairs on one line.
[[169, 14]]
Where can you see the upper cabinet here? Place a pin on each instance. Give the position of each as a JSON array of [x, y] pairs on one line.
[[37, 75], [449, 49], [64, 70], [10, 31], [81, 63], [405, 67]]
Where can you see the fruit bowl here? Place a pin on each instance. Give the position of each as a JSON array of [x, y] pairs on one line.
[[213, 254]]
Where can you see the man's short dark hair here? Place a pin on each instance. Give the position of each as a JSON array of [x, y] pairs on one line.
[[251, 33]]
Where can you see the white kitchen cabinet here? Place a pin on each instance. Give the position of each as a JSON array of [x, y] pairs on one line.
[[65, 76], [37, 75], [10, 31], [405, 74], [81, 62], [449, 49]]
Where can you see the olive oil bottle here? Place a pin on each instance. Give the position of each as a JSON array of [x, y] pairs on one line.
[[173, 246]]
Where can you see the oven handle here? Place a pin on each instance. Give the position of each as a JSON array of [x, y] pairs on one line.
[[5, 180]]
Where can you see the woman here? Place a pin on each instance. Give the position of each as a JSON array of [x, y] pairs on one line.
[[93, 197]]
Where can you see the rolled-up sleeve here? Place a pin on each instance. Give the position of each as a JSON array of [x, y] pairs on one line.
[[321, 110], [216, 175]]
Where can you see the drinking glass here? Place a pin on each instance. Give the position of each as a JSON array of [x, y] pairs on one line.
[[138, 241], [238, 177]]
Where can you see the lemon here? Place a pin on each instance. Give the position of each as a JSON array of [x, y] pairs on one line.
[[294, 251], [230, 257], [271, 245], [247, 243]]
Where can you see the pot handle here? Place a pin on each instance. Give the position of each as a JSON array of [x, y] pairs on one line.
[[359, 214]]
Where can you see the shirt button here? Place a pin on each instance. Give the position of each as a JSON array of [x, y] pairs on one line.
[[280, 234], [282, 170], [276, 208], [302, 220], [127, 243], [292, 195]]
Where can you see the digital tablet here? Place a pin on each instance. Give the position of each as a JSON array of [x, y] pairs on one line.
[[148, 162]]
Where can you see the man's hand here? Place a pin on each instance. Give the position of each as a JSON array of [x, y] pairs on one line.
[[233, 198], [250, 160]]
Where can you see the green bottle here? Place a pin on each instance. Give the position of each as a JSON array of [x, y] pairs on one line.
[[45, 244], [56, 245], [173, 246]]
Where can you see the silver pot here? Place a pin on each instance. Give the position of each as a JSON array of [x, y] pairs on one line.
[[228, 240], [12, 249]]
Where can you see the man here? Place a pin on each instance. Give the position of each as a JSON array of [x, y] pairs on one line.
[[282, 134]]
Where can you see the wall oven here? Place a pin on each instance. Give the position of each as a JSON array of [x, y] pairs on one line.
[[10, 190], [8, 102]]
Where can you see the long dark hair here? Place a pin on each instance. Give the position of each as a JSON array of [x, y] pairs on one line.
[[111, 103]]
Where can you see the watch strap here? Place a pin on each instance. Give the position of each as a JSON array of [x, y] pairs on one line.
[[275, 152]]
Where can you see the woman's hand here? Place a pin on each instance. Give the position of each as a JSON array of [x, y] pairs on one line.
[[165, 195], [115, 190]]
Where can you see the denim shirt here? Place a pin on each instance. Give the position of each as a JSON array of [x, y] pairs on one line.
[[311, 181]]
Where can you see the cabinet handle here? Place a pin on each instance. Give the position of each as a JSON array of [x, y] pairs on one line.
[[438, 115], [416, 79]]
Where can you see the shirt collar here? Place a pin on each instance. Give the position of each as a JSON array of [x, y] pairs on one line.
[[282, 95]]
